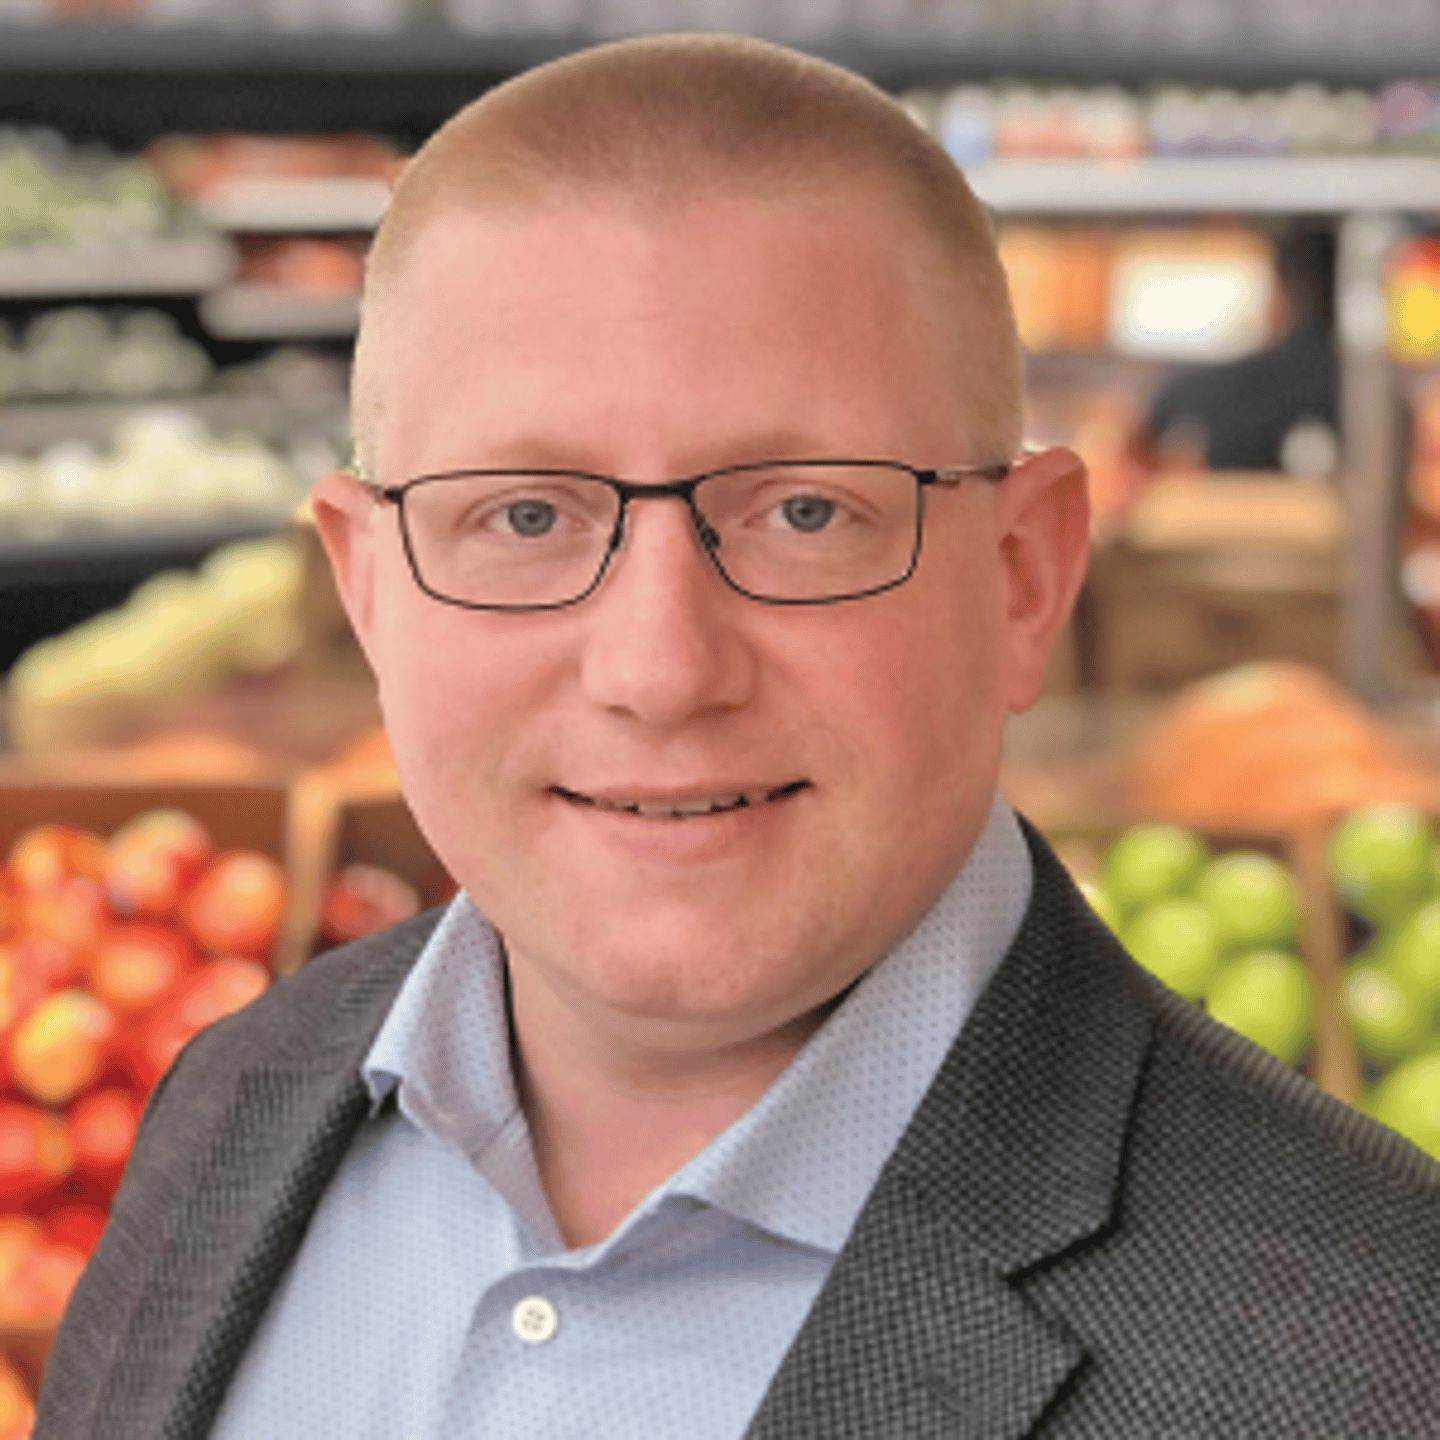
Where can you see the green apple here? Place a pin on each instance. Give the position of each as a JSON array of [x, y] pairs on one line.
[[1100, 903], [1388, 1022], [1266, 996], [1177, 941], [1408, 1100], [1151, 862], [1411, 953], [1252, 897], [1381, 860]]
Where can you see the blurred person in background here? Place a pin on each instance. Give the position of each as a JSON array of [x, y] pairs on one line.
[[1272, 409], [768, 1075]]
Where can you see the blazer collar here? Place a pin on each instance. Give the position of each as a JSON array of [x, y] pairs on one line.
[[1013, 1156], [248, 1195]]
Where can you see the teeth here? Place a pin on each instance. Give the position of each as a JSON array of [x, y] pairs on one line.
[[682, 809]]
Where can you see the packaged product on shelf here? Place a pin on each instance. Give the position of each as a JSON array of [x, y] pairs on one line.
[[1270, 744]]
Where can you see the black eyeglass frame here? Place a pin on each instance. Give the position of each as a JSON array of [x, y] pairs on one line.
[[946, 477]]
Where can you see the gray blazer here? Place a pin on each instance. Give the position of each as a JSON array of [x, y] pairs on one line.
[[1109, 1217]]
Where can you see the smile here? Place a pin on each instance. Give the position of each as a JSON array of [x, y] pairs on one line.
[[686, 808]]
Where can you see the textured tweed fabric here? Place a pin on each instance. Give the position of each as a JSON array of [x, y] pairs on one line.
[[1109, 1217]]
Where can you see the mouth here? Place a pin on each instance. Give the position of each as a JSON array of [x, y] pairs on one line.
[[686, 807]]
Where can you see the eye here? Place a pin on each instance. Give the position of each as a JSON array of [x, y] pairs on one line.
[[528, 518], [807, 513]]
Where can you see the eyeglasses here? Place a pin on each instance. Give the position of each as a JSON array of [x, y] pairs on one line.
[[788, 532]]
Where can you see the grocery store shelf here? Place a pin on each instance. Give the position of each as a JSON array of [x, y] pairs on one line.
[[273, 312], [881, 49], [27, 427], [278, 206], [141, 80], [1173, 186], [157, 267]]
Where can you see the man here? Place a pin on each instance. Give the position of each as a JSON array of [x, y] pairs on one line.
[[767, 1078]]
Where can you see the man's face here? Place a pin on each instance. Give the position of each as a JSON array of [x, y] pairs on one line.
[[578, 335]]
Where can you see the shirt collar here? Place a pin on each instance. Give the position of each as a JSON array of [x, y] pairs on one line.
[[800, 1163]]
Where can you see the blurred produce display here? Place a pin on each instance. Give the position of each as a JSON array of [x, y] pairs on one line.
[[322, 266], [113, 953], [208, 168], [1218, 928], [163, 469], [179, 633], [56, 194], [1384, 863], [80, 351], [1269, 744], [362, 899]]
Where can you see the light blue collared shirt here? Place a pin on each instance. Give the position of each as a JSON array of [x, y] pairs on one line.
[[433, 1296]]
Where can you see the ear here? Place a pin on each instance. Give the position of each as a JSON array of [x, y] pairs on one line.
[[1043, 514], [345, 519]]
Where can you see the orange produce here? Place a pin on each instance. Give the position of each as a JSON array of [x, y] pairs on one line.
[[62, 1046], [35, 1153], [236, 906], [1269, 744]]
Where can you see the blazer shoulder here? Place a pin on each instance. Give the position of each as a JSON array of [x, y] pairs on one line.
[[334, 1000], [1235, 1081]]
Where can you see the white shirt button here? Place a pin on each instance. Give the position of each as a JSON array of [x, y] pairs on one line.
[[534, 1320]]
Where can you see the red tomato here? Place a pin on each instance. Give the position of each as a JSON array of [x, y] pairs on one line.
[[73, 912], [38, 1288], [237, 905], [136, 965], [10, 905], [47, 854], [152, 860], [77, 1226], [101, 1127], [364, 898], [214, 991], [17, 1414], [61, 1046], [35, 1152], [22, 983]]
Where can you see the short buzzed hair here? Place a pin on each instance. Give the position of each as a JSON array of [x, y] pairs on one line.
[[654, 123]]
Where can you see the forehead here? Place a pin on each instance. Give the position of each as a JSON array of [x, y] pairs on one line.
[[588, 317]]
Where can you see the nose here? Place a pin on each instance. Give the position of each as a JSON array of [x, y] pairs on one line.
[[663, 643]]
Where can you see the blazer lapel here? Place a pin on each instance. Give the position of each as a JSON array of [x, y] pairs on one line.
[[204, 1248], [1013, 1157]]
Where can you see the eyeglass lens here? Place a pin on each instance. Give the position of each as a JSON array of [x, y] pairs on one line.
[[797, 533]]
